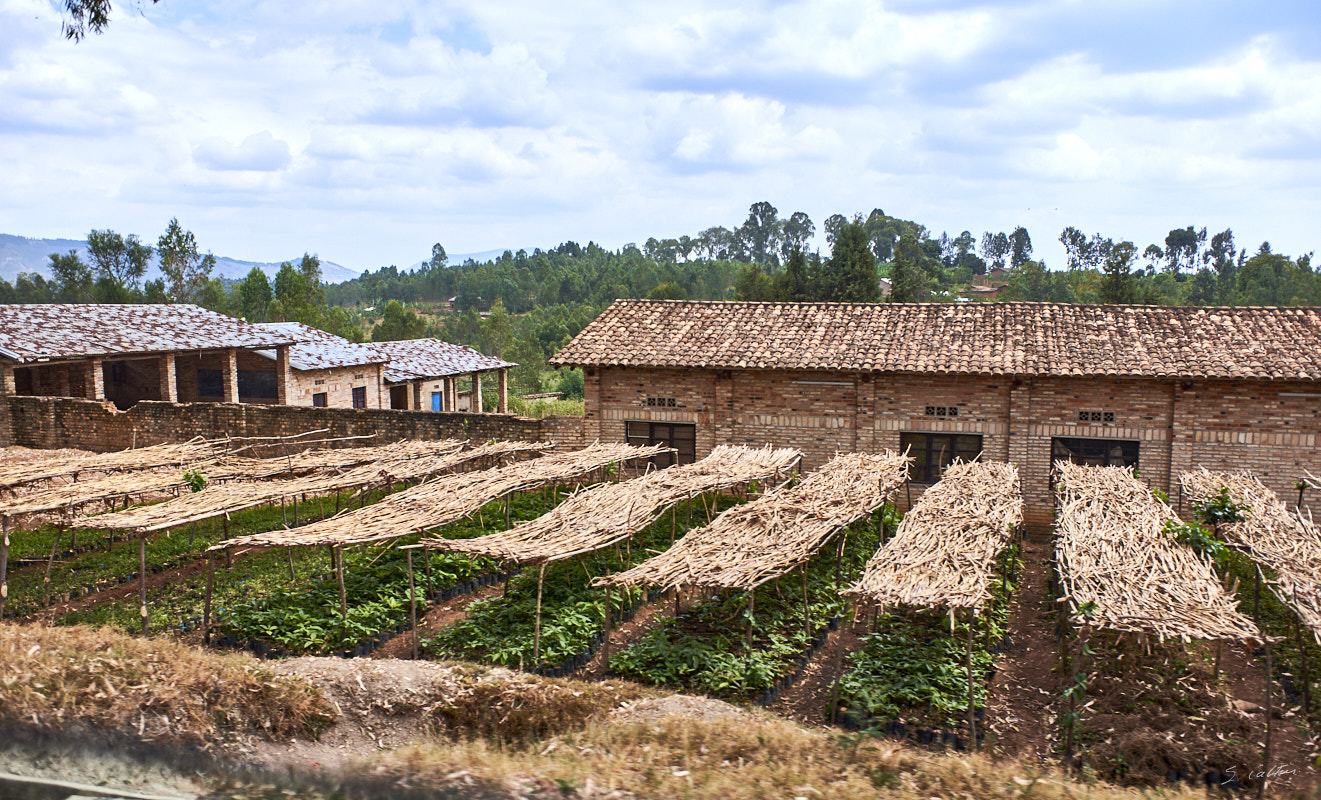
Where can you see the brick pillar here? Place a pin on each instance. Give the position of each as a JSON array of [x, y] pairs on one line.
[[476, 398], [95, 377], [8, 388], [282, 374], [864, 419], [504, 391], [450, 390], [230, 376], [1033, 475], [169, 387], [591, 403], [415, 394], [1182, 431]]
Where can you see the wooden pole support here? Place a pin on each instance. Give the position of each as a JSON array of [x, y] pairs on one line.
[[605, 638], [1266, 751], [536, 631], [807, 609], [343, 594], [142, 581], [972, 704], [206, 602], [54, 548], [4, 564], [412, 602]]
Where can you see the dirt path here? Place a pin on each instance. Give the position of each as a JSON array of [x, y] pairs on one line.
[[648, 616], [1020, 695], [808, 700], [437, 617]]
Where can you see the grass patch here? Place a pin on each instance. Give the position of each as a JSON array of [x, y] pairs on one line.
[[751, 758], [539, 409], [51, 677]]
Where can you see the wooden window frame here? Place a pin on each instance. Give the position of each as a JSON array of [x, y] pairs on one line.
[[359, 396], [1103, 449], [320, 400], [932, 451], [646, 432]]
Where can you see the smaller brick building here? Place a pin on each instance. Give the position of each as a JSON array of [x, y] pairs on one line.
[[329, 371], [128, 353], [425, 375], [1160, 388]]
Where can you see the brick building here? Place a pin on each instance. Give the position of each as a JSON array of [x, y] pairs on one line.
[[426, 374], [127, 353], [329, 371], [1164, 389]]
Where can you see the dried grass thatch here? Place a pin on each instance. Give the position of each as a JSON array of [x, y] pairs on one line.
[[121, 486], [225, 499], [761, 540], [1122, 571], [945, 550], [1283, 541], [598, 517], [62, 465], [446, 499]]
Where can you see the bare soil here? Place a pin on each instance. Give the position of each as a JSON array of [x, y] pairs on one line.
[[808, 700], [438, 616], [1019, 712]]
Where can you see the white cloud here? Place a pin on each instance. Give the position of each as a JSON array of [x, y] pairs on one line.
[[260, 152]]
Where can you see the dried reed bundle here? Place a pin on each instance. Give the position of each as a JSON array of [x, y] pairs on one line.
[[115, 486], [944, 553], [1122, 571], [225, 499], [765, 538], [1286, 542], [598, 517], [446, 499], [142, 458]]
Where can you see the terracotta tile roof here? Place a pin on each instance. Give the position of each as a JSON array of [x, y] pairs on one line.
[[33, 332], [317, 349], [967, 338], [431, 358]]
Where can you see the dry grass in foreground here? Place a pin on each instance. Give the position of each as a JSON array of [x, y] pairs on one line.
[[54, 677], [732, 759]]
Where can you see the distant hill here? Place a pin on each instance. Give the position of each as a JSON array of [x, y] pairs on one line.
[[21, 254]]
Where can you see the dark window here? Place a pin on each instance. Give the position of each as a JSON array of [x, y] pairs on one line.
[[932, 452], [319, 400], [359, 396], [1096, 452], [210, 383], [258, 384], [683, 438]]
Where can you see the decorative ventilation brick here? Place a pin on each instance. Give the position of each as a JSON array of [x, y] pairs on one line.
[[942, 411], [1097, 417]]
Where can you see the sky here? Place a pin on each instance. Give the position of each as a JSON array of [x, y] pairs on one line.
[[366, 131]]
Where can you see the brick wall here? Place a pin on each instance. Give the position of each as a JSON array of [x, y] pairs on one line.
[[54, 422], [1271, 428]]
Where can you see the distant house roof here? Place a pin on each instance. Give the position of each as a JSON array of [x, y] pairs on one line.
[[969, 338], [431, 358], [55, 331], [317, 349]]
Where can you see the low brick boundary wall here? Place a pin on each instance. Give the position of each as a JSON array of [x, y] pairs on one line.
[[59, 422]]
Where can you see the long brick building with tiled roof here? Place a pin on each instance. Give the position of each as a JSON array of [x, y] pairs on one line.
[[1164, 388]]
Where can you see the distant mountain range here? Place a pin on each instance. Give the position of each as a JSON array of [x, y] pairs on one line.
[[22, 254]]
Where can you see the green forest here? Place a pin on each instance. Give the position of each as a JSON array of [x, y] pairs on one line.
[[523, 306]]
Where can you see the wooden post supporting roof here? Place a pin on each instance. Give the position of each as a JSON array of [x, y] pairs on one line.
[[504, 391]]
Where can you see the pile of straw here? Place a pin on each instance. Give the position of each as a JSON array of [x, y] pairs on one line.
[[944, 553], [595, 518], [761, 540], [1122, 571], [1285, 542]]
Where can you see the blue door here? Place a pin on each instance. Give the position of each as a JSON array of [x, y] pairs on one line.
[[435, 401]]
